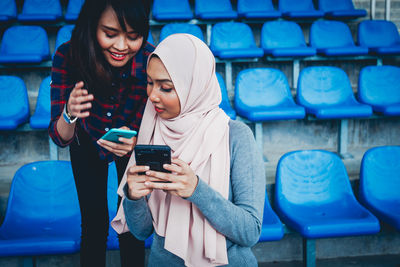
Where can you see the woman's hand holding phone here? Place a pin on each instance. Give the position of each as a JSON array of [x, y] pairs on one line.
[[125, 146]]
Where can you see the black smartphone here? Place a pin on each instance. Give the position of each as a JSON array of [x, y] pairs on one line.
[[154, 156]]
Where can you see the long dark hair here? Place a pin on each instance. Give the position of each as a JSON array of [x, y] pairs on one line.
[[85, 54]]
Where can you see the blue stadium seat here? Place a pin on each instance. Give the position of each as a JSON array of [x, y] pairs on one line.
[[73, 9], [326, 93], [284, 39], [172, 10], [233, 40], [172, 28], [24, 44], [340, 9], [263, 94], [313, 196], [225, 103], [14, 104], [333, 38], [216, 9], [380, 183], [63, 35], [150, 38], [257, 9], [40, 10], [299, 9], [43, 215], [41, 117], [8, 10], [272, 228], [379, 87], [380, 36]]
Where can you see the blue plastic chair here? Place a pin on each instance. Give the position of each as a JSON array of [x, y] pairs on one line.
[[313, 196], [333, 38], [257, 9], [43, 215], [380, 183], [263, 94], [326, 93], [272, 228], [150, 38], [40, 10], [284, 39], [379, 87], [216, 9], [63, 36], [73, 9], [24, 44], [297, 9], [41, 117], [172, 28], [225, 103], [340, 9], [8, 10], [172, 10], [14, 104], [380, 36], [234, 40]]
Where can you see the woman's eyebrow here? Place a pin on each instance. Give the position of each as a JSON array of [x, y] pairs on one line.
[[109, 28]]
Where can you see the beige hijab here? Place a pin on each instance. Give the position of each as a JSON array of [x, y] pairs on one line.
[[199, 135]]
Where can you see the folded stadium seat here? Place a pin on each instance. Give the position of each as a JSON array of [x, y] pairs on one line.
[[313, 196], [326, 93], [257, 9], [41, 117], [340, 9], [379, 87], [333, 38], [216, 9], [172, 28], [380, 183], [234, 40], [225, 103], [40, 10], [172, 10], [8, 10], [24, 44], [284, 39], [73, 9], [14, 104], [263, 94], [43, 215], [380, 36], [299, 9], [272, 228]]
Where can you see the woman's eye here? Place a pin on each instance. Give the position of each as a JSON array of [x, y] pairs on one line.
[[133, 37], [149, 83], [167, 90], [110, 35]]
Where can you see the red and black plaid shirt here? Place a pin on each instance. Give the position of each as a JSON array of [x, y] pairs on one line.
[[124, 108]]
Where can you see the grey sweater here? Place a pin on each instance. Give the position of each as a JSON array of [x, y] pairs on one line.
[[239, 218]]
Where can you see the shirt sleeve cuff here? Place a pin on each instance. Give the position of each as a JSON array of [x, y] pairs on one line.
[[199, 191]]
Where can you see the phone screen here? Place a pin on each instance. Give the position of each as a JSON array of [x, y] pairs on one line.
[[154, 156]]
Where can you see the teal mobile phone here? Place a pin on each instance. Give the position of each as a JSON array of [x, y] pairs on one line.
[[113, 135]]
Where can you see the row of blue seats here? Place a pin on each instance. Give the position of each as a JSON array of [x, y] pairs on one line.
[[261, 94], [51, 10], [230, 40], [313, 197]]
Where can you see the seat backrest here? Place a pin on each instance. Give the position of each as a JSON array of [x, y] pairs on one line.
[[329, 5], [25, 40], [63, 35], [166, 6], [42, 202], [310, 177], [36, 7], [281, 34], [378, 33], [13, 97], [295, 5], [219, 6], [172, 28], [231, 35], [74, 7], [324, 86], [224, 92], [379, 85], [8, 9], [380, 173], [255, 5], [43, 103], [262, 87], [324, 34]]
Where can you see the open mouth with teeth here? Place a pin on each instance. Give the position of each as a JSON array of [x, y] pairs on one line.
[[117, 56]]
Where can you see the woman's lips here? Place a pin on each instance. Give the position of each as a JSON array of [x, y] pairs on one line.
[[117, 56], [158, 110]]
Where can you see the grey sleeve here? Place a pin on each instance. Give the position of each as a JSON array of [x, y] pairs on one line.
[[138, 217], [240, 220]]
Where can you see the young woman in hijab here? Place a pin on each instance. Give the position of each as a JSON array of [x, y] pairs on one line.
[[209, 213]]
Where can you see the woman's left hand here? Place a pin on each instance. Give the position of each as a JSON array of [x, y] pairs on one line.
[[126, 145], [182, 181]]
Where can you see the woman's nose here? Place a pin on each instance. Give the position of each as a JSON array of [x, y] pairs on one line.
[[121, 43]]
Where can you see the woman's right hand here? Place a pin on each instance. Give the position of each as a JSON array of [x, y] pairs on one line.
[[79, 101], [136, 187]]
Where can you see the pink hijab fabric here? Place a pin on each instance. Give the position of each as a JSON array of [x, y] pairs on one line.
[[199, 135]]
